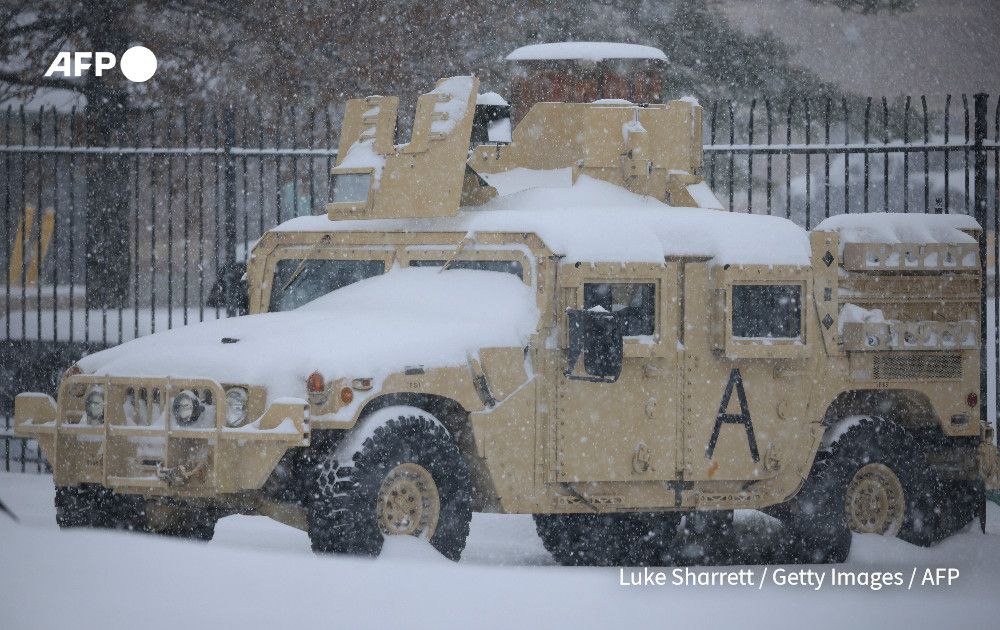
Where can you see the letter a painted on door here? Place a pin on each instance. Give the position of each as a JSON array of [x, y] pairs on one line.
[[743, 417]]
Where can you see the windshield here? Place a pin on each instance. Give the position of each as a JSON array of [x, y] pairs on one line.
[[317, 277], [506, 266]]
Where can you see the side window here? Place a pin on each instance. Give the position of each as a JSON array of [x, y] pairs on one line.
[[633, 301], [767, 311], [505, 266], [349, 187], [297, 282]]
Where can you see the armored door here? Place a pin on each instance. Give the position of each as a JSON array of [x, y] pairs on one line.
[[623, 430], [746, 366]]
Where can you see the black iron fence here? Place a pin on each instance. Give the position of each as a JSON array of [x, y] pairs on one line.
[[200, 186], [19, 454], [808, 160]]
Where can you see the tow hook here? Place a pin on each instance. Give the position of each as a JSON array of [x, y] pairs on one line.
[[178, 475]]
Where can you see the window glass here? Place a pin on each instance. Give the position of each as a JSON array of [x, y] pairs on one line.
[[349, 187], [505, 266], [767, 311], [294, 286], [635, 302]]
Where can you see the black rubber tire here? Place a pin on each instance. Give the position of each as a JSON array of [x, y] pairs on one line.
[[935, 508], [882, 441], [706, 537], [966, 499], [942, 508], [342, 510], [98, 507], [622, 539], [815, 523], [75, 506]]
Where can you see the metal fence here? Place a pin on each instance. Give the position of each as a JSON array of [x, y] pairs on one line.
[[202, 185], [19, 454]]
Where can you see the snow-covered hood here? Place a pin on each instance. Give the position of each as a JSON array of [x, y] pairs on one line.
[[406, 317]]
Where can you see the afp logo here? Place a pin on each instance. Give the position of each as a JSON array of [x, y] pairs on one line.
[[138, 64]]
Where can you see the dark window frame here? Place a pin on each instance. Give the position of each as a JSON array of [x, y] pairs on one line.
[[348, 180], [466, 263], [640, 319], [750, 303], [277, 281]]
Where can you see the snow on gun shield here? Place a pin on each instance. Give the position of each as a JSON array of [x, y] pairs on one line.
[[564, 325]]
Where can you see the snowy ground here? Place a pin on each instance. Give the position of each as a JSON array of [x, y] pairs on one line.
[[257, 573]]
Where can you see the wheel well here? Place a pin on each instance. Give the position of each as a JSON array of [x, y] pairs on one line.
[[455, 418], [908, 408], [451, 414]]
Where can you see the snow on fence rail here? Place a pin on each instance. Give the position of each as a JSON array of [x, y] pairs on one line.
[[195, 188]]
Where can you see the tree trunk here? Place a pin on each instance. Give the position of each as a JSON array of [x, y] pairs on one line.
[[108, 259]]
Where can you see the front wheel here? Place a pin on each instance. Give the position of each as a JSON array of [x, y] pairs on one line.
[[97, 507], [406, 478]]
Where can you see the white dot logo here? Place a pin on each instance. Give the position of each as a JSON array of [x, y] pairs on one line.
[[138, 64]]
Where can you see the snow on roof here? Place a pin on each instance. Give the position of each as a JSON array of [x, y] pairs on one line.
[[458, 88], [897, 227], [594, 220], [362, 155], [704, 196], [490, 98], [419, 316], [588, 51], [517, 179]]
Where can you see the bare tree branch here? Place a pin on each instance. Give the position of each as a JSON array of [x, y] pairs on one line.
[[16, 78], [62, 24]]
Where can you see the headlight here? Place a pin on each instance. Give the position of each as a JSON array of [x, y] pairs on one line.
[[236, 406], [94, 406], [186, 407]]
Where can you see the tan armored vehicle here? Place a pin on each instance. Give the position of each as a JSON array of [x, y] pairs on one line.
[[566, 324]]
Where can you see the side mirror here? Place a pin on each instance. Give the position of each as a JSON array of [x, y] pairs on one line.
[[597, 334]]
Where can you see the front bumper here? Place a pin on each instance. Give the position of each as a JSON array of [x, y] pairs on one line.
[[137, 446]]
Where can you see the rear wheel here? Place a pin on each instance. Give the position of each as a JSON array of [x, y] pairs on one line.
[[942, 508], [407, 478], [891, 492], [875, 501]]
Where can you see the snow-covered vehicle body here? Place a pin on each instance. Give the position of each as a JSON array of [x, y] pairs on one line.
[[565, 325]]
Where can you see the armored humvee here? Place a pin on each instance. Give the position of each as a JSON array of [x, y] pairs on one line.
[[565, 324]]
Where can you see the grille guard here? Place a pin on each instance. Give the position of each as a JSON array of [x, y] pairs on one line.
[[139, 447]]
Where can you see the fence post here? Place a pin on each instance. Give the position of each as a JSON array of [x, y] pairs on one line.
[[229, 276], [980, 215]]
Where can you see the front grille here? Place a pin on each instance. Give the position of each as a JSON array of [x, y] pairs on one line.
[[913, 365], [140, 402]]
